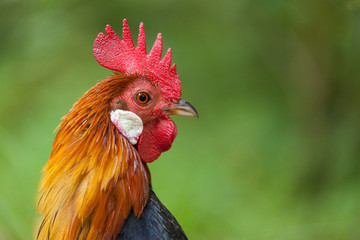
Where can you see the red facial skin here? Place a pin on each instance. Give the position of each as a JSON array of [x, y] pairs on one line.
[[159, 131]]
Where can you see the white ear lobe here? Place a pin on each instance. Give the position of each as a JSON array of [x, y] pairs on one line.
[[128, 123]]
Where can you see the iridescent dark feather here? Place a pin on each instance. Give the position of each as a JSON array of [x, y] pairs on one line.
[[155, 222]]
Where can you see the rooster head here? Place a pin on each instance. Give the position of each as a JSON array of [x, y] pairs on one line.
[[141, 110]]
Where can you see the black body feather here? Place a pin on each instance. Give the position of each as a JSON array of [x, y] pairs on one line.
[[155, 222]]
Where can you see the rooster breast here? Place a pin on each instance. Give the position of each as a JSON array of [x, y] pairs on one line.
[[155, 222]]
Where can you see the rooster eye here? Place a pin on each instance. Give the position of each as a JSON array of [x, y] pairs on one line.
[[142, 97]]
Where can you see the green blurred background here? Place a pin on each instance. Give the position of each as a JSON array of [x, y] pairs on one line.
[[275, 153]]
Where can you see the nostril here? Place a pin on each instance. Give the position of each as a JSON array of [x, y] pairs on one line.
[[176, 101]]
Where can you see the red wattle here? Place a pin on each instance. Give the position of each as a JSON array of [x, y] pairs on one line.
[[156, 138]]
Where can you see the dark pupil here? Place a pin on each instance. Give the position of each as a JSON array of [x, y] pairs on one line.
[[142, 98]]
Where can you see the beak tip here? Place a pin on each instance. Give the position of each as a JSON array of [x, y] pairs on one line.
[[192, 109]]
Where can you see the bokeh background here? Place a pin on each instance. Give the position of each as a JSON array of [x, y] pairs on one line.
[[275, 153]]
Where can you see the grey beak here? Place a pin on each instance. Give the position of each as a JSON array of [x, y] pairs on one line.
[[183, 108]]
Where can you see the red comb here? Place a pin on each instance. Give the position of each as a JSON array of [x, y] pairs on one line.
[[122, 56]]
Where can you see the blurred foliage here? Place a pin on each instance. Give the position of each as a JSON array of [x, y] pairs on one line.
[[275, 152]]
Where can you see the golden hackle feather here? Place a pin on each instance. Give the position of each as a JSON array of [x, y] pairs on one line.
[[94, 176]]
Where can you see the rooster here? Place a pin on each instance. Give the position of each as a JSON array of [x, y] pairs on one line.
[[96, 184]]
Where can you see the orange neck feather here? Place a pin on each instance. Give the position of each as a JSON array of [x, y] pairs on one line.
[[94, 177]]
